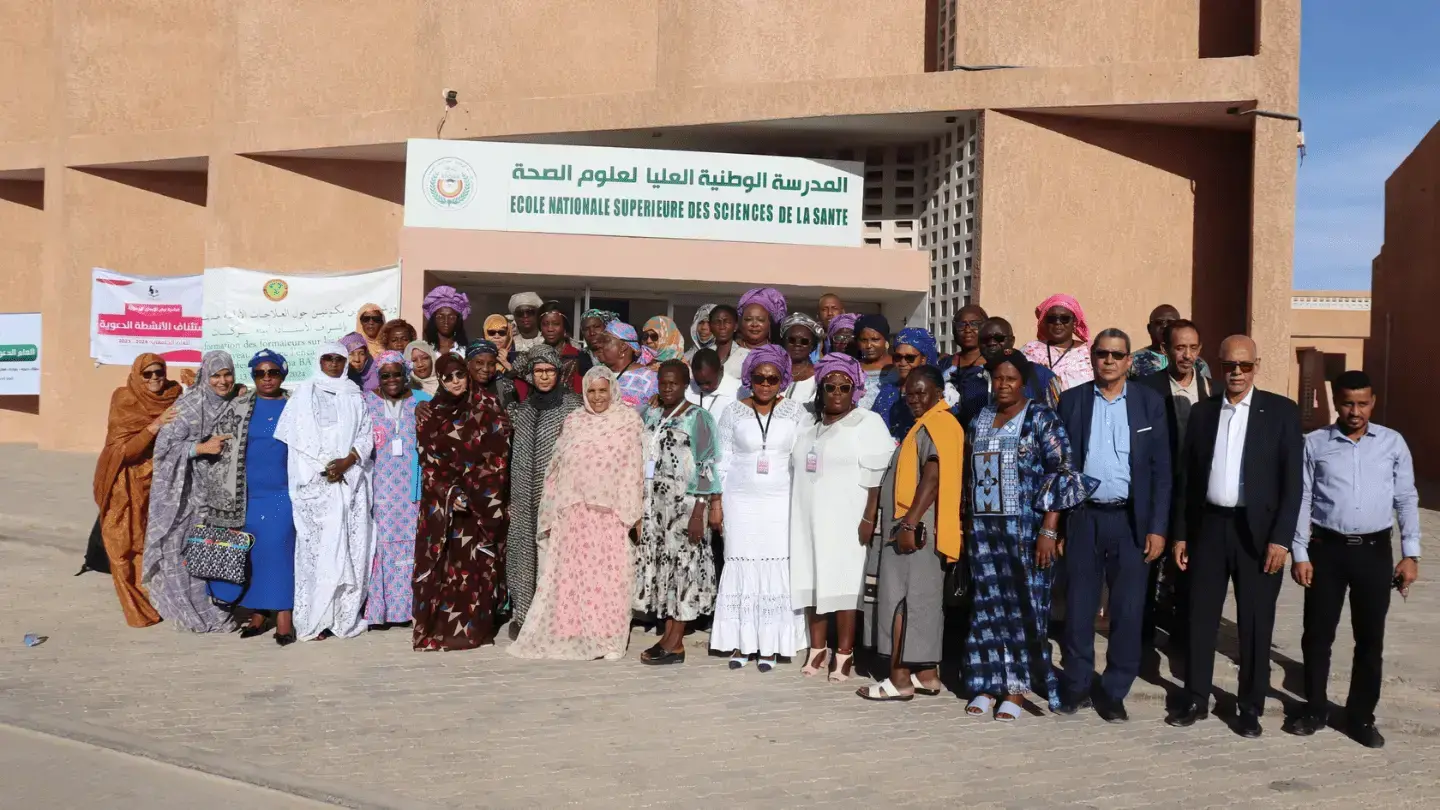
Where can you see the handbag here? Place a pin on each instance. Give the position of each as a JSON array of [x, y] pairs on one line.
[[219, 554], [957, 582]]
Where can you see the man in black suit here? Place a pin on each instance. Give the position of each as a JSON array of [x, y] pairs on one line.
[[1118, 437], [1240, 490], [1182, 387]]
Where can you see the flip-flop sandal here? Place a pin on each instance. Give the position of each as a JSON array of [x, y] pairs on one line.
[[1008, 712], [922, 689], [883, 691], [980, 706]]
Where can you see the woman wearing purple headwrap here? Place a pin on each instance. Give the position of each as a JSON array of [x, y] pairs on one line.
[[753, 616], [395, 493], [840, 335], [836, 460], [620, 351], [446, 310], [761, 312], [361, 369]]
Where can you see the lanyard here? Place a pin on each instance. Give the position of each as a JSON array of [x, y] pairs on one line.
[[764, 426], [1051, 362]]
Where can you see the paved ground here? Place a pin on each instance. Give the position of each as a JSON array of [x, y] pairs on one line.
[[368, 723]]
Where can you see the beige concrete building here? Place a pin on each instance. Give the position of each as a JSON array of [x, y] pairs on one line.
[[1100, 156], [1405, 283], [1328, 332]]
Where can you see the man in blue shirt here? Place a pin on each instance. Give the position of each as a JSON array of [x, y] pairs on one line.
[[1358, 477], [1119, 436]]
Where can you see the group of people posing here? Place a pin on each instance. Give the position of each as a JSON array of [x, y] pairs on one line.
[[789, 479]]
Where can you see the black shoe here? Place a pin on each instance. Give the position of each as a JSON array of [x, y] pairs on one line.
[[1072, 704], [251, 631], [514, 630], [1112, 711], [1304, 724], [1186, 716], [284, 639], [664, 657], [1367, 735], [1248, 724]]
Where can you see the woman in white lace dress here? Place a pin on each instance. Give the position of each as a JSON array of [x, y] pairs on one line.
[[753, 612]]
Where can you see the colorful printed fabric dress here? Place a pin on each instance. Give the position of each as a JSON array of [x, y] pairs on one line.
[[675, 578], [395, 483], [460, 595], [1015, 474]]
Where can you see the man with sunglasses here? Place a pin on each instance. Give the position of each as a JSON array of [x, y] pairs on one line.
[[1119, 438], [994, 337], [1239, 494], [525, 311]]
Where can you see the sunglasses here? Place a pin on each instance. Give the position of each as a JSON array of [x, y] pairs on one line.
[[799, 340], [497, 332], [843, 388], [372, 319], [764, 379], [1230, 365], [994, 340], [906, 358], [392, 375], [651, 336], [267, 373], [962, 325], [153, 375], [333, 358], [454, 376], [1059, 319], [1101, 354], [525, 312]]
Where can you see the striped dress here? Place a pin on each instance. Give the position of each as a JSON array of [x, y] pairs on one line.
[[536, 430]]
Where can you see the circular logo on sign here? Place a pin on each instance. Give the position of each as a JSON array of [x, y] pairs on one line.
[[276, 290], [449, 183]]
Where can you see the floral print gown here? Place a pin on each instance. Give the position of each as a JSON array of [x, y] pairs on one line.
[[675, 578]]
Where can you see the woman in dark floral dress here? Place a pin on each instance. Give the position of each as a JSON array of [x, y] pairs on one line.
[[460, 594]]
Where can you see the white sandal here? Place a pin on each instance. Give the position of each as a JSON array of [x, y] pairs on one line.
[[1009, 711], [885, 690], [842, 660], [921, 688], [980, 706], [812, 668]]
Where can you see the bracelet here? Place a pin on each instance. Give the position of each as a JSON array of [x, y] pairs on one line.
[[909, 527], [867, 520], [1050, 533]]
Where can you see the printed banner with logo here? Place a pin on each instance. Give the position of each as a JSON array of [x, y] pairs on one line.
[[249, 310], [131, 315], [493, 186], [20, 354]]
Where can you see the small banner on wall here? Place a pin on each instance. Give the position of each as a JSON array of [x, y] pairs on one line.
[[131, 315], [20, 354], [293, 314]]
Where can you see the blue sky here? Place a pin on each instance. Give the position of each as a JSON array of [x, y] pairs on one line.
[[1369, 91]]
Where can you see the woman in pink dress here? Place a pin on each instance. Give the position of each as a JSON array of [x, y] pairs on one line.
[[1062, 341], [593, 498]]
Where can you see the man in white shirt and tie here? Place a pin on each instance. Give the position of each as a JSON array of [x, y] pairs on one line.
[[1239, 499]]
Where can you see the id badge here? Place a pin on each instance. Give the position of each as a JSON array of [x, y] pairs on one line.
[[397, 447], [762, 465], [812, 462], [649, 468]]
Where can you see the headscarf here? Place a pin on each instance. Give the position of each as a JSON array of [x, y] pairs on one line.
[[339, 386], [605, 315], [845, 320], [299, 425], [670, 346], [543, 354], [525, 299], [132, 409], [875, 322], [1082, 329], [767, 297], [801, 319], [702, 315], [495, 322], [446, 296], [847, 365], [268, 356], [767, 353], [627, 333], [388, 357], [367, 377], [213, 404], [426, 384], [598, 461], [921, 340], [376, 345], [479, 346], [445, 404]]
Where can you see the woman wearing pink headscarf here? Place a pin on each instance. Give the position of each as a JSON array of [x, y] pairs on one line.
[[1063, 341]]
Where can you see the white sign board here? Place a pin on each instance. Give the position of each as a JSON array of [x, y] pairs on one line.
[[490, 186], [20, 354], [131, 315], [249, 310]]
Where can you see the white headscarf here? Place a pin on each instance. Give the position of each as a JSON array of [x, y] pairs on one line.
[[299, 426]]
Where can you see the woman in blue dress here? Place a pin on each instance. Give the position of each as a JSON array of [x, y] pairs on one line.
[[268, 517], [1018, 479]]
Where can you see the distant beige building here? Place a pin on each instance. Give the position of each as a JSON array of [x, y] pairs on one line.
[[1328, 330], [1011, 149]]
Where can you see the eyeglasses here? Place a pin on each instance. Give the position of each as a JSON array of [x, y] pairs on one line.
[[392, 375], [544, 371], [333, 358], [1245, 366], [372, 319], [1060, 319], [266, 373], [153, 375], [843, 388], [1101, 354], [963, 325], [993, 340], [764, 379], [454, 376], [799, 340]]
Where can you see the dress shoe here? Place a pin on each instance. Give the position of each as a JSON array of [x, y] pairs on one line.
[[1248, 725], [1072, 704], [1305, 724], [284, 639], [1186, 715], [251, 631], [1367, 735], [1112, 711]]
